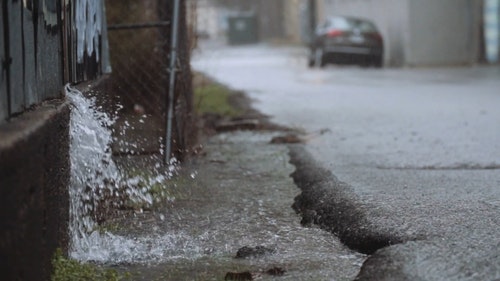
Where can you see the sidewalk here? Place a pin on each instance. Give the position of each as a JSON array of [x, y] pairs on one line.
[[237, 194]]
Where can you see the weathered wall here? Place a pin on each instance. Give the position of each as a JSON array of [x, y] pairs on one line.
[[39, 53], [443, 32], [85, 42], [31, 60], [140, 78], [34, 175], [34, 63]]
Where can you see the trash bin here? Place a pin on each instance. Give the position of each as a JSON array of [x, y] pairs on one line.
[[242, 29]]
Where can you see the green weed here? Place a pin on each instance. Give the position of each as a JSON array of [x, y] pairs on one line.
[[214, 98], [71, 270]]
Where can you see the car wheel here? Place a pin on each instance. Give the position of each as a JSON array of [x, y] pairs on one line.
[[378, 62], [365, 62], [319, 59]]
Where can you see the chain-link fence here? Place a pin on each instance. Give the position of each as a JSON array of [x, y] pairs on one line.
[[139, 40]]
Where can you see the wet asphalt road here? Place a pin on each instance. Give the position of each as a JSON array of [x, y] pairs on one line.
[[418, 149]]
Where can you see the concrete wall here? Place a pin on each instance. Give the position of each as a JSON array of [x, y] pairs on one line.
[[43, 45], [34, 176], [31, 62], [292, 20], [424, 32], [270, 15], [443, 32]]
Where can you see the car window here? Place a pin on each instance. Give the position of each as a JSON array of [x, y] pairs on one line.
[[351, 24], [340, 23], [363, 26]]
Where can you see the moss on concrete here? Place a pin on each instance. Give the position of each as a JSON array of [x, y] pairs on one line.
[[71, 270]]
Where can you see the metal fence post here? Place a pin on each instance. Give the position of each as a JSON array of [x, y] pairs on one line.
[[170, 99], [4, 60]]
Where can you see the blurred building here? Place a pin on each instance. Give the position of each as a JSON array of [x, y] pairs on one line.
[[293, 20], [425, 32], [492, 30], [416, 33], [279, 20], [206, 18]]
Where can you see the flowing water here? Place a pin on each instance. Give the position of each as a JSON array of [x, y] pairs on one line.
[[95, 177], [238, 194]]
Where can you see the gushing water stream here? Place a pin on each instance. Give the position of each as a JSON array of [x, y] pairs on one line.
[[241, 196], [94, 175]]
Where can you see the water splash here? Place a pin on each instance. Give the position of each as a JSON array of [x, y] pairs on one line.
[[96, 178], [193, 238]]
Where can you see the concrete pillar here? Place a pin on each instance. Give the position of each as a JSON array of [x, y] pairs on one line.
[[492, 30]]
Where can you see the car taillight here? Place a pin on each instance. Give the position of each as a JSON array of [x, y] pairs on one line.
[[334, 33]]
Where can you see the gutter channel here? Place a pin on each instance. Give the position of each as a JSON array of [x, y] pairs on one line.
[[333, 206]]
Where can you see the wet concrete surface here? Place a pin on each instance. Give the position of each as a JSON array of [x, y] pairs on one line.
[[237, 193], [415, 153], [470, 252]]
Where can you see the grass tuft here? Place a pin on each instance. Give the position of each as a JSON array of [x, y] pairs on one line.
[[71, 270], [214, 98]]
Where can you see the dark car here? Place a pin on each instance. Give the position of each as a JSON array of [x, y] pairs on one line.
[[346, 40]]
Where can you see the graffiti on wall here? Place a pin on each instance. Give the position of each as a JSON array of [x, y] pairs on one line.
[[45, 44]]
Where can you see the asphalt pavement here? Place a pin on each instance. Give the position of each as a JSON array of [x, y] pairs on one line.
[[409, 170]]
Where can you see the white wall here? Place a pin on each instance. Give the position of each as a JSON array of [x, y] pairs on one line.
[[208, 19], [292, 19]]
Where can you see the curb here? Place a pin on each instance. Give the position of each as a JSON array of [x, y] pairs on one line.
[[333, 206]]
